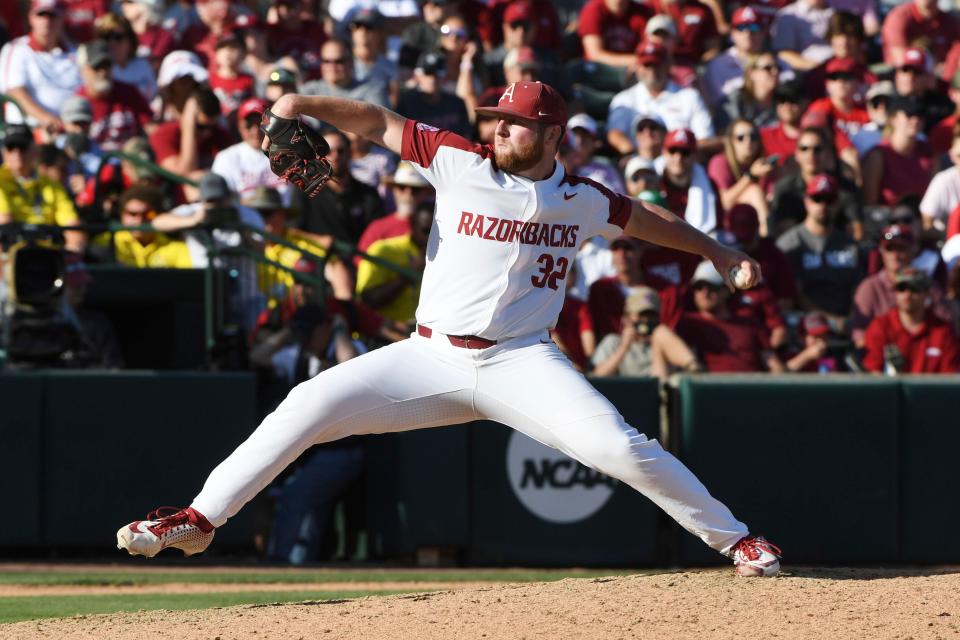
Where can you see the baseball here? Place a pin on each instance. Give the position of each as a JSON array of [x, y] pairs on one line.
[[739, 277]]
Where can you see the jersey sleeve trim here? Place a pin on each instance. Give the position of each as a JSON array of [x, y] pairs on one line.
[[421, 142]]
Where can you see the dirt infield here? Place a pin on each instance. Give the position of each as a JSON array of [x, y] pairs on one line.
[[805, 603]]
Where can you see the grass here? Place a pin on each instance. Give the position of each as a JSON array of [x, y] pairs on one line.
[[19, 608], [159, 576], [30, 607]]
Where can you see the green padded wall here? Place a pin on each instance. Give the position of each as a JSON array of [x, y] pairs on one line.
[[930, 472], [810, 462]]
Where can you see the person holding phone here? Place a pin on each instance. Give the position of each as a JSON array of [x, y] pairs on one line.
[[742, 173]]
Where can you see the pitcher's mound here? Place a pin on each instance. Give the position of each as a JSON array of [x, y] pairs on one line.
[[821, 604]]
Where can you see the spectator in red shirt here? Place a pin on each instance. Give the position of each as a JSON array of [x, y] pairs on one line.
[[201, 38], [187, 146], [548, 23], [901, 164], [722, 341], [231, 85], [918, 20], [610, 31], [945, 132], [742, 173], [410, 190], [697, 37], [781, 139], [876, 295], [744, 224], [119, 109], [844, 76], [915, 78], [573, 332], [910, 338], [846, 37], [295, 36], [154, 39]]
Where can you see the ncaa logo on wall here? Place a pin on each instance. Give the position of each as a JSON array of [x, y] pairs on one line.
[[552, 486]]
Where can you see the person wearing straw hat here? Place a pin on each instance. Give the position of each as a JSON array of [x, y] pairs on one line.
[[410, 190]]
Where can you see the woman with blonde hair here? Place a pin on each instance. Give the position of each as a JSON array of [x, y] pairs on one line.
[[742, 174], [128, 67], [754, 101]]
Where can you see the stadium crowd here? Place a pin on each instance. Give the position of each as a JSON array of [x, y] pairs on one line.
[[819, 136]]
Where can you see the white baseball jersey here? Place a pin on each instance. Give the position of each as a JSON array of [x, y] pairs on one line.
[[245, 168], [50, 77], [501, 245]]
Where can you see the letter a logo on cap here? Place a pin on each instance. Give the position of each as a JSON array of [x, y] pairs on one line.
[[509, 92], [681, 137], [748, 14], [822, 184]]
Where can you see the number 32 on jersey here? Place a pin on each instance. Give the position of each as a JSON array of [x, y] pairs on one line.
[[552, 271]]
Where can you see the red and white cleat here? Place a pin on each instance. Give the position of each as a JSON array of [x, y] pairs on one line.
[[754, 557], [184, 529]]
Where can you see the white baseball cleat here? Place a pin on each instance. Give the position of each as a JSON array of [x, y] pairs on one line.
[[754, 557], [184, 529]]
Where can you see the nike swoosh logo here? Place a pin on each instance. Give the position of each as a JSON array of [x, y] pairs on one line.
[[542, 113], [567, 196]]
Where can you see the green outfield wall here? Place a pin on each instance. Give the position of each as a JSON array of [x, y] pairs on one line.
[[835, 469]]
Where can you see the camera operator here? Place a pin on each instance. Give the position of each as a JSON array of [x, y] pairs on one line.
[[644, 347], [30, 198]]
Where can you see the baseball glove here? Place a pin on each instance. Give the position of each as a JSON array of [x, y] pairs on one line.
[[297, 152]]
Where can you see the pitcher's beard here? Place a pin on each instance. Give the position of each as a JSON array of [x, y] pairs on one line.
[[526, 157]]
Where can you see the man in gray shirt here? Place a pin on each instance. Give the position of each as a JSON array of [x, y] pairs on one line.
[[337, 79], [826, 262]]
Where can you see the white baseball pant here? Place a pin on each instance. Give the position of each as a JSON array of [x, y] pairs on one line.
[[525, 383]]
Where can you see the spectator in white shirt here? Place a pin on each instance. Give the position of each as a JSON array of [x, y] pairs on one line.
[[244, 165], [127, 65], [943, 194], [39, 70], [680, 108]]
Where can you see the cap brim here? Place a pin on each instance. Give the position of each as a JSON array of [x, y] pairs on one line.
[[500, 111]]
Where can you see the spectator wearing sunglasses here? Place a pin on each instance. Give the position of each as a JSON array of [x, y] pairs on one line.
[[611, 30], [755, 100], [898, 249], [878, 99], [40, 69], [918, 20], [337, 78], [799, 33], [843, 79], [742, 174], [780, 139], [462, 76], [910, 338], [724, 72], [722, 341], [825, 261], [901, 164], [128, 66], [814, 154], [678, 107]]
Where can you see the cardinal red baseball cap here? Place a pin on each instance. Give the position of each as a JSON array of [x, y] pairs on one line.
[[251, 106], [846, 66], [38, 6], [680, 139], [914, 58], [815, 324], [530, 101], [746, 15], [897, 235], [519, 11], [822, 184], [650, 52]]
